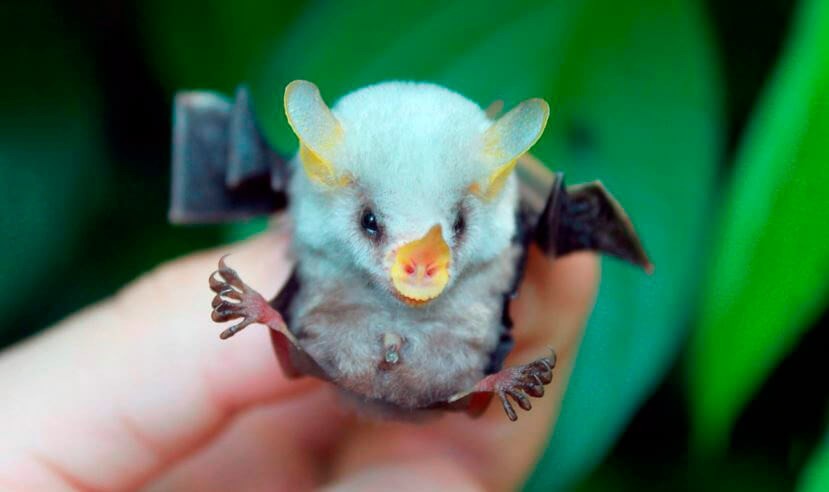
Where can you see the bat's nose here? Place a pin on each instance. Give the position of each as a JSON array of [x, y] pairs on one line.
[[421, 268]]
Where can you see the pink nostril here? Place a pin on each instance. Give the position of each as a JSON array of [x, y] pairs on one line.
[[409, 269], [430, 271]]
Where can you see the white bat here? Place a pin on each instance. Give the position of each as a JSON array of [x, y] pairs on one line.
[[410, 226]]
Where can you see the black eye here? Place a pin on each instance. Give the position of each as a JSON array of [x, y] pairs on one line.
[[460, 224], [368, 221]]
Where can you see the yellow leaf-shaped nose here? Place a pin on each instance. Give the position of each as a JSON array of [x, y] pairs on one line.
[[421, 268]]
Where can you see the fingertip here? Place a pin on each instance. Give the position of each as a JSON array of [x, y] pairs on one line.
[[554, 299], [569, 281], [264, 260], [423, 473]]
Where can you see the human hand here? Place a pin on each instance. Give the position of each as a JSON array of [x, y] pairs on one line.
[[138, 391]]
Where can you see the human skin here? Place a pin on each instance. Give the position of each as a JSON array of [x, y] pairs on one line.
[[138, 392]]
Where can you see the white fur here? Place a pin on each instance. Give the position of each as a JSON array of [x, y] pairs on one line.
[[412, 151], [341, 322]]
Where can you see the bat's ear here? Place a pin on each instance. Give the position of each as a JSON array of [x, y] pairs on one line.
[[508, 138], [319, 133]]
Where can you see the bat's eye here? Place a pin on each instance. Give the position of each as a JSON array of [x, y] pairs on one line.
[[368, 221], [460, 224]]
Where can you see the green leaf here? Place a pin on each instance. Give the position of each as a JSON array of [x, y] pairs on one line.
[[815, 477], [636, 102], [768, 277]]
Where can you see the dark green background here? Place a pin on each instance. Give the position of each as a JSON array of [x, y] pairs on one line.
[[708, 120]]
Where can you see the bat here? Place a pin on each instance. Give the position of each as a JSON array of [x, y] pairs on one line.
[[412, 210]]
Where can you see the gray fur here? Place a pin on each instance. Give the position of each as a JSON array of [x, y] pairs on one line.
[[421, 158], [340, 321]]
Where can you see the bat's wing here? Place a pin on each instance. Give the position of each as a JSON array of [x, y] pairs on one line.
[[582, 217], [559, 220], [223, 169]]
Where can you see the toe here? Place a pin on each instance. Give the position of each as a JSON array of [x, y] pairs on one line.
[[508, 407], [225, 311], [234, 329], [535, 390], [521, 398], [230, 275], [217, 285]]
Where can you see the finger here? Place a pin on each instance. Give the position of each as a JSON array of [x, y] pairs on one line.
[[554, 295], [424, 473], [552, 307], [273, 447], [117, 392]]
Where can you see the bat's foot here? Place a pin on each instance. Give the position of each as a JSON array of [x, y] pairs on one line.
[[519, 383], [235, 300]]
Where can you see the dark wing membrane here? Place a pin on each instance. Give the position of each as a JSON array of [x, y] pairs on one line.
[[587, 217], [562, 220], [223, 169], [580, 217]]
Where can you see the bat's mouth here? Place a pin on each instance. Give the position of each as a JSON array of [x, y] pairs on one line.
[[411, 302], [420, 270]]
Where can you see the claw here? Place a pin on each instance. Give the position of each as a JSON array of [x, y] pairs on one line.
[[222, 264], [231, 293], [536, 390], [553, 358], [230, 274], [216, 285], [546, 376]]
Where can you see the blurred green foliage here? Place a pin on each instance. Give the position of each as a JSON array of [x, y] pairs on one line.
[[51, 190], [652, 98], [768, 275], [84, 188], [816, 474]]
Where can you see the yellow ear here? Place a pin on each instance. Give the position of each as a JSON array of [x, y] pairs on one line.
[[497, 180], [319, 133], [510, 137]]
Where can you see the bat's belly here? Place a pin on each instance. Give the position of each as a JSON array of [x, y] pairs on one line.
[[405, 356], [377, 347]]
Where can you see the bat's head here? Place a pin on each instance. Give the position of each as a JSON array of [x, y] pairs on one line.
[[408, 182]]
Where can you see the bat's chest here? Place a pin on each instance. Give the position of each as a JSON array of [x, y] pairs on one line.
[[410, 357]]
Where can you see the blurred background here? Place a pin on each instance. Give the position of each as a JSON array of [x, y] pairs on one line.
[[708, 120]]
